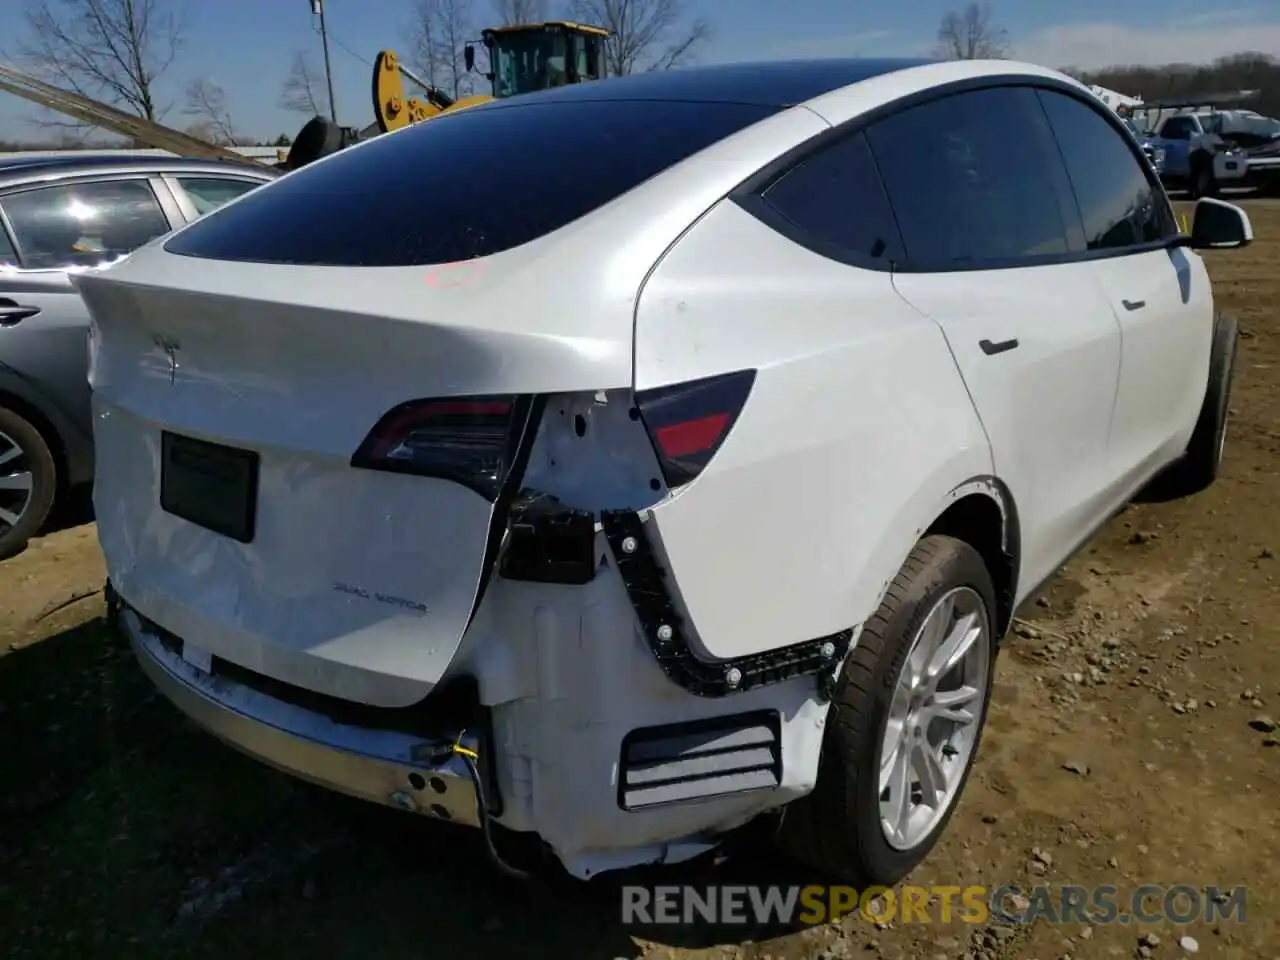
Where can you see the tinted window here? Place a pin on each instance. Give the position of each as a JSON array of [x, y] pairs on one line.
[[81, 224], [836, 197], [972, 179], [209, 193], [1177, 128], [1120, 204], [465, 185]]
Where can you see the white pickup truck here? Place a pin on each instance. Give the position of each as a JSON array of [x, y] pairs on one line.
[[1198, 156]]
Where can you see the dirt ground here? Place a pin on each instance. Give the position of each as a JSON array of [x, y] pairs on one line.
[[1148, 668]]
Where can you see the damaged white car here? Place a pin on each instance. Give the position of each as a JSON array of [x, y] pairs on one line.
[[621, 463]]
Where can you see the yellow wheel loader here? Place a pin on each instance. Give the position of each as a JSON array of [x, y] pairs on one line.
[[522, 58], [537, 56]]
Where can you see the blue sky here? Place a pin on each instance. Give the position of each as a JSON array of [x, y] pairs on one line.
[[245, 46]]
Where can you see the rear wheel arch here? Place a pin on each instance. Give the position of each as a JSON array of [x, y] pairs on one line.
[[25, 517], [45, 427], [838, 827], [982, 513]]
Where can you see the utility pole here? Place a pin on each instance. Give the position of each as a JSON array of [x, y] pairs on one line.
[[317, 9]]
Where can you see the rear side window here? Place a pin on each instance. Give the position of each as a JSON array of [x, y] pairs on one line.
[[208, 193], [83, 224], [835, 199], [1119, 201], [973, 179], [484, 180]]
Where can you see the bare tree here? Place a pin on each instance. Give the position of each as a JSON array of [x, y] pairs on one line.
[[1241, 71], [110, 50], [440, 32], [520, 11], [207, 103], [647, 34], [299, 92], [970, 34]]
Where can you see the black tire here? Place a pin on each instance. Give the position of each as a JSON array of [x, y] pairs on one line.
[[318, 138], [35, 458], [1203, 182], [1200, 465], [836, 828]]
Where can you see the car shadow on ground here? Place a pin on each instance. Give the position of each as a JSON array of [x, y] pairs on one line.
[[73, 509], [124, 830]]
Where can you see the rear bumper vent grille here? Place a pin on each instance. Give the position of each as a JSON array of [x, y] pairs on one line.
[[700, 760]]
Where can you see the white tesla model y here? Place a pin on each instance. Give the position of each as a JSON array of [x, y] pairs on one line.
[[620, 463]]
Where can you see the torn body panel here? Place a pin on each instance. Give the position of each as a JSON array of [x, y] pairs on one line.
[[570, 662]]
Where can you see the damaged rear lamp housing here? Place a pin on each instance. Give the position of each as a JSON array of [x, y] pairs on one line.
[[687, 422], [468, 440]]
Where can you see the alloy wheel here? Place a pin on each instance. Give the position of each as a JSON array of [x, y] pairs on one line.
[[16, 483], [934, 718]]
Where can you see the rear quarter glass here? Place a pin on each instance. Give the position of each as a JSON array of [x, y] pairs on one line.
[[462, 186]]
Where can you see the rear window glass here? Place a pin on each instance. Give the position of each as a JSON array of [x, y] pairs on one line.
[[482, 181]]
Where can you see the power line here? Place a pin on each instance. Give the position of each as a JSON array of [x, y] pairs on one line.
[[367, 62], [344, 48]]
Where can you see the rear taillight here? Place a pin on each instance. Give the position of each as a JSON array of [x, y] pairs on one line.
[[687, 422], [469, 440]]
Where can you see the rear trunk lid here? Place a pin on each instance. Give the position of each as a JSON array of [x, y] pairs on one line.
[[268, 548]]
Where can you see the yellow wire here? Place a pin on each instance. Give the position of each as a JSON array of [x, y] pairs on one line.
[[464, 751]]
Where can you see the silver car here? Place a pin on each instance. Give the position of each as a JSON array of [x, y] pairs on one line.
[[60, 214]]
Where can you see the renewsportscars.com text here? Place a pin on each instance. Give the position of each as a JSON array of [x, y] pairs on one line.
[[1009, 904]]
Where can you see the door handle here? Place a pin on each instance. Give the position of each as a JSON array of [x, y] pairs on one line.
[[1134, 304], [991, 349], [12, 313]]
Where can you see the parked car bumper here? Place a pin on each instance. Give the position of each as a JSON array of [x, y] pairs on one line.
[[1230, 169], [1263, 172]]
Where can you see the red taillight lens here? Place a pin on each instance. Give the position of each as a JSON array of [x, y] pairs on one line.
[[688, 422], [469, 440]]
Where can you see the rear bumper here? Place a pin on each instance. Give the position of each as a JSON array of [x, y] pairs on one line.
[[386, 767], [612, 752]]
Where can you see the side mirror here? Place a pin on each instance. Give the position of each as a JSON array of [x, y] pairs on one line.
[[469, 57], [1216, 224]]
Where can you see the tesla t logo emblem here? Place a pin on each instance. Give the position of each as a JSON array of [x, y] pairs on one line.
[[170, 347]]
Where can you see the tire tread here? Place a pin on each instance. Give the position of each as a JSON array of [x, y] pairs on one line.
[[811, 829]]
